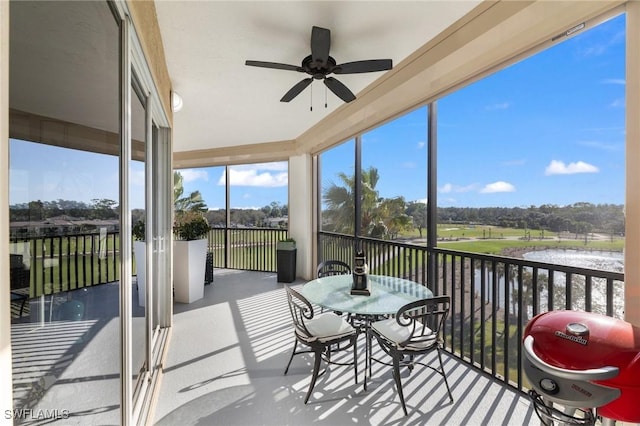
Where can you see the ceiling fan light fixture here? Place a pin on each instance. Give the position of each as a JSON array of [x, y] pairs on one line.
[[319, 65], [176, 101]]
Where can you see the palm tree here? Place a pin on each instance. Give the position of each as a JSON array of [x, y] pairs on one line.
[[193, 202], [340, 203], [392, 212], [339, 200], [370, 210]]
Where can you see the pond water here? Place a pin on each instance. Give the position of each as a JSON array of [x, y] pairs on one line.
[[601, 260]]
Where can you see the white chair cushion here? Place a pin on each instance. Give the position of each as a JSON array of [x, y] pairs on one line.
[[394, 332], [328, 326]]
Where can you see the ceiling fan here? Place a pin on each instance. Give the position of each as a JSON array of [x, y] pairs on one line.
[[319, 65]]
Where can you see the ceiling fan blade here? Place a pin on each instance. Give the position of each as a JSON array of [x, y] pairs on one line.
[[295, 90], [274, 65], [320, 44], [339, 89], [371, 65]]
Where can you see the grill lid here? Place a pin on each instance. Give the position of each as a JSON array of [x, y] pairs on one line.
[[584, 360], [584, 340]]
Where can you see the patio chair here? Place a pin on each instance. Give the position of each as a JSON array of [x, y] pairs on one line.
[[19, 280], [332, 267], [415, 330], [321, 334]]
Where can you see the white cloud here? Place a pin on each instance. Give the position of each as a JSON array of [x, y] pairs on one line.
[[603, 46], [446, 188], [617, 103], [254, 178], [602, 145], [500, 186], [421, 144], [500, 105], [449, 187], [621, 81], [260, 175], [190, 175], [560, 168]]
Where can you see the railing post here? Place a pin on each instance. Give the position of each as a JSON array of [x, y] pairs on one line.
[[432, 194]]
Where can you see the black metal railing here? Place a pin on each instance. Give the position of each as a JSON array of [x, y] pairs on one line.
[[492, 297], [54, 264], [251, 249]]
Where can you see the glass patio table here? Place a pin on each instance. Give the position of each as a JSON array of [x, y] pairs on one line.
[[388, 294]]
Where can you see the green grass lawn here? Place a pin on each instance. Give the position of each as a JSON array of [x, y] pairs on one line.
[[489, 232], [495, 239], [499, 246]]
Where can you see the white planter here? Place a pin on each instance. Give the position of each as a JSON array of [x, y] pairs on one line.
[[139, 251], [189, 258]]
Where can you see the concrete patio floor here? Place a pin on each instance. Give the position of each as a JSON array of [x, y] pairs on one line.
[[228, 352]]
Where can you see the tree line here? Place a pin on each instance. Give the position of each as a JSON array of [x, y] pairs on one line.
[[34, 211], [576, 218], [389, 217], [380, 217]]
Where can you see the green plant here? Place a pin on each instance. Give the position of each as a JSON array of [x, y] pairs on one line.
[[138, 230], [190, 225]]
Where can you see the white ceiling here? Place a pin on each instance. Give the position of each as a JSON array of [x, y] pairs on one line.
[[228, 104]]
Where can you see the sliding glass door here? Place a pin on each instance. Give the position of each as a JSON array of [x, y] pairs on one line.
[[64, 196], [89, 153]]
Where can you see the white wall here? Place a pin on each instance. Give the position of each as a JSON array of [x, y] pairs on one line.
[[300, 212]]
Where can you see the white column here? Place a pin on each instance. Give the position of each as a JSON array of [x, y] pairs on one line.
[[300, 212], [632, 181], [6, 399]]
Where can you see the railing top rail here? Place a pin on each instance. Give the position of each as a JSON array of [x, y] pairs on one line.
[[373, 240], [617, 276]]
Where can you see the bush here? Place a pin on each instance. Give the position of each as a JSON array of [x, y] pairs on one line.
[[191, 225]]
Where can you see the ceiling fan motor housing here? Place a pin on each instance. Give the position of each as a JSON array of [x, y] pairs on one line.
[[317, 69]]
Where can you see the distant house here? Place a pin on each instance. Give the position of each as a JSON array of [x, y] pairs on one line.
[[61, 225]]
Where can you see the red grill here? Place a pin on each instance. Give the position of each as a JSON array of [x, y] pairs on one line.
[[583, 361]]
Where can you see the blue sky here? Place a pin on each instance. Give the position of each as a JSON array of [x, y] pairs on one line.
[[546, 130], [549, 129], [252, 185], [48, 173]]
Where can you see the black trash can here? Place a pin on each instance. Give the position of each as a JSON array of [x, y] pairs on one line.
[[286, 261]]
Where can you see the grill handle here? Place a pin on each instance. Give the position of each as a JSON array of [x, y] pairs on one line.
[[590, 374]]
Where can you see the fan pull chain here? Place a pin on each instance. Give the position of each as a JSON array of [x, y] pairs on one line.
[[325, 96], [311, 101]]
